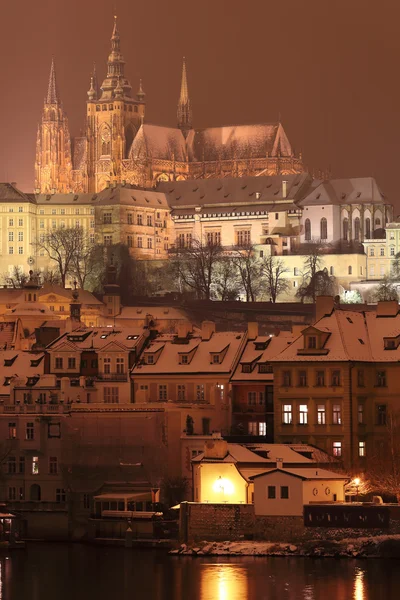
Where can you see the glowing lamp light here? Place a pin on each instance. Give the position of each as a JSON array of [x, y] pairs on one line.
[[223, 486], [357, 481]]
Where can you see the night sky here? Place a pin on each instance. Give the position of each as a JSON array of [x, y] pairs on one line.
[[330, 68]]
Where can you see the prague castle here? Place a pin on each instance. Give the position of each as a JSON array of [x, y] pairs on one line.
[[120, 147]]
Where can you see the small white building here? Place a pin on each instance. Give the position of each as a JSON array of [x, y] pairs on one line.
[[283, 492]]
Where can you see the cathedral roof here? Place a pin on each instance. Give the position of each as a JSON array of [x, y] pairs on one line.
[[359, 190], [238, 141], [156, 141], [211, 144]]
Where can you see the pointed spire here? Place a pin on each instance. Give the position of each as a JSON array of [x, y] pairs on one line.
[[92, 92], [115, 68], [184, 109], [95, 82], [52, 92], [141, 94], [184, 97]]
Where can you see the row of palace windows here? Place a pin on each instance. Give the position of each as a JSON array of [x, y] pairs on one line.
[[34, 468], [335, 378], [18, 494], [105, 107], [53, 430], [392, 251], [181, 392], [65, 211], [107, 219], [297, 273]]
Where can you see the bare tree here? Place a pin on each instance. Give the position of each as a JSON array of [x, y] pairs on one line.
[[273, 270], [194, 266], [316, 281], [226, 281], [17, 278], [249, 268], [61, 246]]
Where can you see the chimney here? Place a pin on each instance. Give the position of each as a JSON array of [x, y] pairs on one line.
[[284, 189], [279, 463], [324, 305], [216, 448], [184, 329], [296, 330], [207, 329], [387, 308], [252, 330]]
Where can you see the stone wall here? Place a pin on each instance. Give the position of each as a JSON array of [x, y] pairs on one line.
[[216, 521], [220, 522]]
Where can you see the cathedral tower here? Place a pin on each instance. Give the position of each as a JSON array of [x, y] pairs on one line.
[[53, 163], [184, 109], [113, 120]]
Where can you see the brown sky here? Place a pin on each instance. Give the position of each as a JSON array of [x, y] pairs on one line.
[[329, 67]]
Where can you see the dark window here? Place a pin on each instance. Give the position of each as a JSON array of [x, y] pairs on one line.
[[271, 492], [381, 379], [320, 378], [54, 430], [357, 229], [360, 378], [307, 230], [60, 495], [302, 379], [381, 414], [335, 378], [284, 492], [287, 378], [324, 229], [12, 430], [107, 218], [368, 228], [311, 342], [345, 229], [71, 363], [12, 465], [59, 362], [206, 426], [22, 464], [30, 431]]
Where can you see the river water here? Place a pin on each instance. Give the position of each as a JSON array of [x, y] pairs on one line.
[[80, 572]]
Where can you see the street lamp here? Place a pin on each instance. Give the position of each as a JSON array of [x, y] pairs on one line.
[[357, 484]]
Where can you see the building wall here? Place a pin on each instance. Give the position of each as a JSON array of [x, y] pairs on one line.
[[219, 483], [291, 506]]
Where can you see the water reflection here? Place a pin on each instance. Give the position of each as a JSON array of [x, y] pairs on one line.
[[223, 582], [359, 591]]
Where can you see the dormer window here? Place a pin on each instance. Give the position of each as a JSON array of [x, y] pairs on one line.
[[183, 359], [390, 343], [216, 359], [150, 359], [264, 368], [7, 380], [312, 342], [246, 368]]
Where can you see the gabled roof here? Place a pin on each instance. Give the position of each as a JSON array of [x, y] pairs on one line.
[[275, 345], [304, 474], [9, 193], [344, 191], [158, 142]]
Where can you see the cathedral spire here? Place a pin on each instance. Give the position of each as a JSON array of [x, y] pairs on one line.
[[184, 109], [52, 91], [95, 82], [115, 68]]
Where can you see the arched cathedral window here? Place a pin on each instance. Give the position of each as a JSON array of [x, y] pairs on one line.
[[368, 228], [357, 229], [324, 229], [346, 229], [307, 230]]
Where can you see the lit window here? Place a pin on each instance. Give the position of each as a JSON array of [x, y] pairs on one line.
[[287, 414], [252, 427], [262, 428], [252, 398], [303, 414], [12, 431], [35, 465], [382, 251], [337, 414], [361, 448], [337, 449], [20, 236], [392, 251], [20, 249], [321, 414]]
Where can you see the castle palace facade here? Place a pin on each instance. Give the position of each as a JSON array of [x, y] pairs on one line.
[[120, 147]]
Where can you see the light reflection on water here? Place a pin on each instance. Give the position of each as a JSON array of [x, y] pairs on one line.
[[223, 582], [359, 585]]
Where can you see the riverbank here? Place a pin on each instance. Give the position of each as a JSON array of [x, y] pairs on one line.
[[363, 547]]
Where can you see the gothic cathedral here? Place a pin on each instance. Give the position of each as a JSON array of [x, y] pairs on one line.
[[120, 147]]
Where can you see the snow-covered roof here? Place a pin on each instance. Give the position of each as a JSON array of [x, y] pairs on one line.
[[157, 312], [158, 142], [306, 474], [131, 196], [97, 338], [269, 454], [353, 336], [256, 357], [170, 349]]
